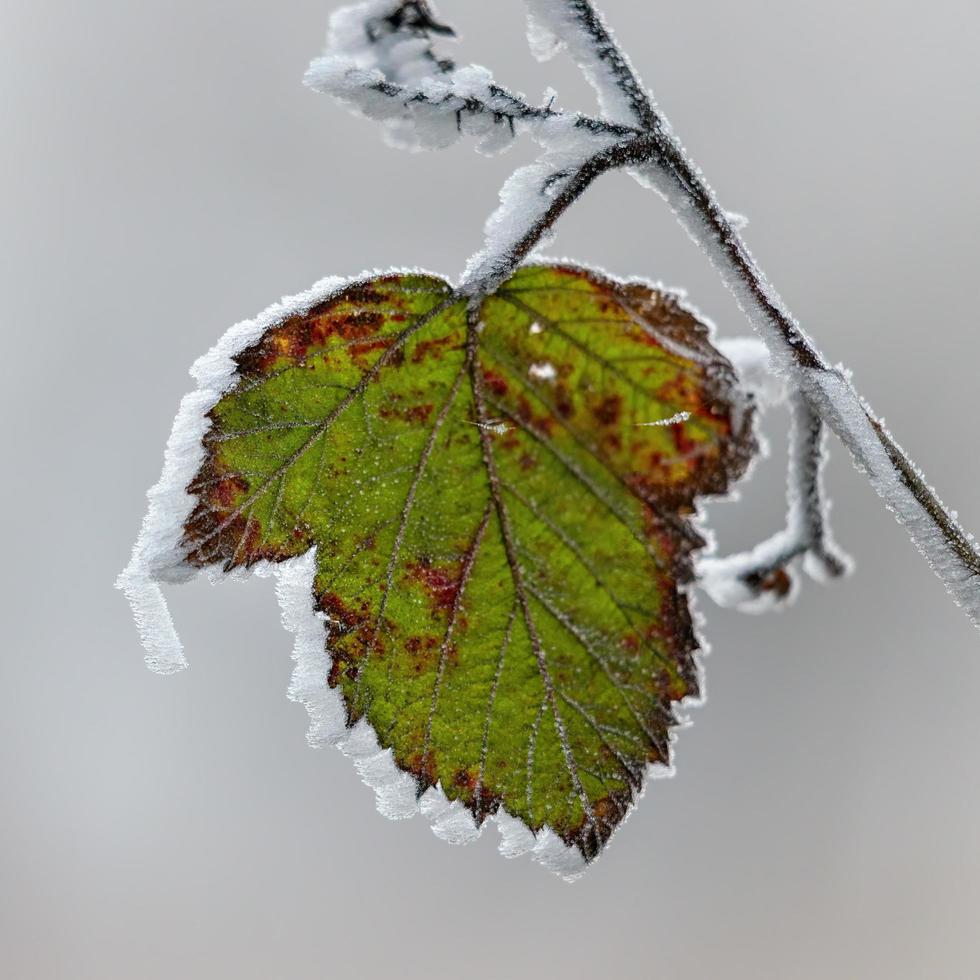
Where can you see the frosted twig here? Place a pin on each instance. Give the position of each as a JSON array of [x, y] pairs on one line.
[[758, 579], [533, 200], [381, 62], [578, 25]]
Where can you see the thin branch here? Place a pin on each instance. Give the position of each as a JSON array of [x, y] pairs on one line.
[[499, 106], [531, 204], [808, 504], [607, 68], [381, 62], [755, 580]]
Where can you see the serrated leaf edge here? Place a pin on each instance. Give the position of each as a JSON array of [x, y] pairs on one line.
[[158, 559]]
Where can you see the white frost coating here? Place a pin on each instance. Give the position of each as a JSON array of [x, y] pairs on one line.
[[542, 40], [451, 822], [157, 557], [807, 538], [545, 371], [738, 221], [400, 56], [394, 77], [848, 414], [676, 419], [164, 651], [309, 652], [750, 358], [721, 578], [527, 196], [556, 24], [394, 789]]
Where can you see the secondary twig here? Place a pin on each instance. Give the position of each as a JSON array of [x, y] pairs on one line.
[[758, 578]]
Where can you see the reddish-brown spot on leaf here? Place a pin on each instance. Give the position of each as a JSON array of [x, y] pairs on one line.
[[563, 401], [631, 642], [425, 769], [423, 652], [367, 294], [434, 348], [415, 413], [609, 409], [358, 351], [464, 779], [227, 491], [543, 423], [495, 383], [337, 610], [440, 581]]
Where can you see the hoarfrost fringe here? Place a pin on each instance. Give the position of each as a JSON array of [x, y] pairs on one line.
[[577, 26], [380, 60], [157, 557], [394, 789], [762, 578]]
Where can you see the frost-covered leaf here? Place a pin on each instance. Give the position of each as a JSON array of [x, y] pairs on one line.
[[501, 534]]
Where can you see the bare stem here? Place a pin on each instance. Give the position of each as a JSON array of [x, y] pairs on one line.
[[613, 63], [755, 578], [808, 505]]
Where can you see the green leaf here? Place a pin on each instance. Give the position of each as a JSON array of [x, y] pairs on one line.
[[500, 498]]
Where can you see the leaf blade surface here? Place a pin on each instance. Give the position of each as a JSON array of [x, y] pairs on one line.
[[500, 499]]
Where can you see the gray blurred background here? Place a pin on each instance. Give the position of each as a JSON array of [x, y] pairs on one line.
[[163, 175]]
